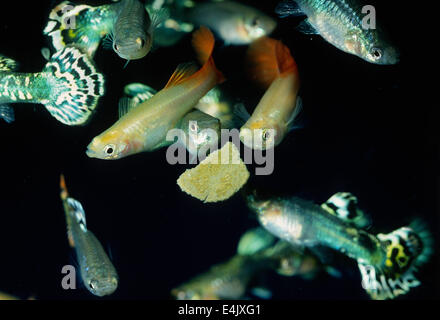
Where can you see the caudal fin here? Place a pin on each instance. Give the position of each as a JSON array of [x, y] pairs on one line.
[[75, 86], [203, 42], [406, 250], [71, 24], [268, 59]]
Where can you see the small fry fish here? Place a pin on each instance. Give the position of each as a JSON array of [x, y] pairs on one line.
[[273, 67], [97, 271], [128, 25], [387, 262], [340, 22], [145, 127], [69, 86], [235, 23]]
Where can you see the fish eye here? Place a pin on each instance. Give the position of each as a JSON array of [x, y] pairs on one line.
[[109, 149], [93, 284], [255, 22], [266, 135], [194, 127], [377, 53], [116, 47]]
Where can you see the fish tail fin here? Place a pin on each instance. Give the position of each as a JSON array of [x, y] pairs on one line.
[[406, 250], [75, 86], [268, 59], [64, 193], [68, 24], [203, 42]]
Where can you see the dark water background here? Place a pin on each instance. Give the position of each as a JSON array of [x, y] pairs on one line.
[[364, 133]]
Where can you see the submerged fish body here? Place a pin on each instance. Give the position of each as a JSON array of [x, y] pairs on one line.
[[227, 280], [145, 127], [273, 67], [235, 23], [69, 86], [341, 22], [387, 262], [97, 271]]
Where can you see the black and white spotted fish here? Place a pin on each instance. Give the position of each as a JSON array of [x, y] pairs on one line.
[[96, 270], [69, 86], [127, 26], [387, 262]]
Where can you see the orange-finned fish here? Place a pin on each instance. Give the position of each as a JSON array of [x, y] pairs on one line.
[[145, 127], [273, 67]]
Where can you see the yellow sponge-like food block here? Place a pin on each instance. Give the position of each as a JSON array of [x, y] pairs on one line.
[[218, 177]]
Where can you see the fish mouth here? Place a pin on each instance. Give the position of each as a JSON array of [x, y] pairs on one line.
[[91, 154]]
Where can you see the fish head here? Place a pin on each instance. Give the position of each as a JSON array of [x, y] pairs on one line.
[[377, 51], [202, 130], [258, 25], [102, 286], [258, 135], [133, 47], [109, 146], [382, 54]]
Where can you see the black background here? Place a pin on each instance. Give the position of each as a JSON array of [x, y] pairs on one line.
[[366, 131]]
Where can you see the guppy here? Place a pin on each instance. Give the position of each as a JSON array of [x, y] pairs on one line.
[[97, 271], [69, 86], [387, 262], [340, 22], [127, 23]]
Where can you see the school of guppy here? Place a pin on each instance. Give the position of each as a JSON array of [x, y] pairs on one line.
[[294, 233]]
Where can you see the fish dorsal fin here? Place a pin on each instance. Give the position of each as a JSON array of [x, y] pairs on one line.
[[344, 205], [183, 71], [288, 8], [306, 28], [136, 93], [7, 64], [78, 212], [158, 16]]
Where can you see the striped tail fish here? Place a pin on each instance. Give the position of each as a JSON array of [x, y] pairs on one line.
[[344, 24], [68, 86], [127, 27], [387, 262], [96, 270], [146, 126]]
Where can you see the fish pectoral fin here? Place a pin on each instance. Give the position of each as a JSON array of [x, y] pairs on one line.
[[157, 16], [306, 28], [288, 8], [125, 105], [292, 123], [183, 71], [241, 113]]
